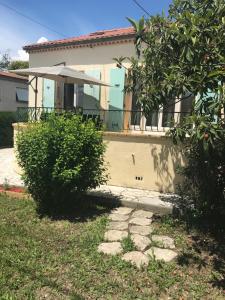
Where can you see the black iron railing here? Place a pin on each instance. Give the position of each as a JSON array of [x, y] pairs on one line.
[[110, 120]]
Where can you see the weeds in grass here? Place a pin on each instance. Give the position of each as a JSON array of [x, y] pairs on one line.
[[128, 245]]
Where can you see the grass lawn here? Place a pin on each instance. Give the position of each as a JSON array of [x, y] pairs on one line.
[[42, 258]]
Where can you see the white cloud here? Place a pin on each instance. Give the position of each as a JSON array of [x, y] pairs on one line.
[[21, 55], [42, 40]]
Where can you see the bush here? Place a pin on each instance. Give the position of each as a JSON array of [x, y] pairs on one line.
[[203, 187], [62, 158], [6, 129]]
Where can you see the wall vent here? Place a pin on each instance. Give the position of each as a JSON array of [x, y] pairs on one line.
[[139, 178]]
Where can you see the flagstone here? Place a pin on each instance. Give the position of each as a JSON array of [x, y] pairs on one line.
[[115, 235], [166, 255], [142, 230], [118, 217], [112, 248], [142, 214], [118, 225], [136, 258], [164, 241], [140, 221], [141, 242]]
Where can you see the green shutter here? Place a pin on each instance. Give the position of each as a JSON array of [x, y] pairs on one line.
[[208, 95], [92, 92], [48, 93], [116, 99]]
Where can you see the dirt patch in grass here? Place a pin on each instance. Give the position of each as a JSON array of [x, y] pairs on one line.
[[57, 258]]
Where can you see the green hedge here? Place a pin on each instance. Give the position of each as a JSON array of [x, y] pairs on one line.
[[6, 129], [62, 158]]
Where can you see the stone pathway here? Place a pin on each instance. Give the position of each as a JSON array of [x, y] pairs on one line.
[[137, 225]]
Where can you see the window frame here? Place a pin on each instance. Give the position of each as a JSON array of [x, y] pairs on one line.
[[17, 98]]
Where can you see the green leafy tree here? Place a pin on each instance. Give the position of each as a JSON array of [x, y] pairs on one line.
[[180, 55], [18, 64], [6, 63]]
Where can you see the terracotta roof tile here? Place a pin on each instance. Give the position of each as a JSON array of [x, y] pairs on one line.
[[12, 75], [103, 35]]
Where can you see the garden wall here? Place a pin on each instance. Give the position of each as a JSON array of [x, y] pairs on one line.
[[146, 161]]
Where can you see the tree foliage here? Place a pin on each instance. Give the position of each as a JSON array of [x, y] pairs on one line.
[[18, 64], [181, 55], [6, 62]]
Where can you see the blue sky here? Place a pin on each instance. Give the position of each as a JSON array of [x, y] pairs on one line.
[[69, 17]]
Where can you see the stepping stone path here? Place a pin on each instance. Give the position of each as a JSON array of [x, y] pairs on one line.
[[136, 224]]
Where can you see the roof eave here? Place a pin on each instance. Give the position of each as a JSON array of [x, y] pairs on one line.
[[10, 78], [43, 46]]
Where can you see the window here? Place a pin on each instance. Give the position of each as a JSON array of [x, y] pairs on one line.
[[174, 111], [187, 105], [68, 96], [21, 94], [73, 95]]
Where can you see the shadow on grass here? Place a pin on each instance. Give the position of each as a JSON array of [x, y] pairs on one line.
[[207, 248], [189, 258], [214, 246], [79, 210]]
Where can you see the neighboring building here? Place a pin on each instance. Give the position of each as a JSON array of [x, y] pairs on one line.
[[13, 91]]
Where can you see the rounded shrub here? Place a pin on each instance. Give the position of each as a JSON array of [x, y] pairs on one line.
[[61, 158]]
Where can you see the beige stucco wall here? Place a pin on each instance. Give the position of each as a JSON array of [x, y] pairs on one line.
[[97, 57], [8, 95], [151, 157]]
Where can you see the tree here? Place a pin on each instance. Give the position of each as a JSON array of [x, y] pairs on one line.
[[181, 55], [18, 64], [5, 61]]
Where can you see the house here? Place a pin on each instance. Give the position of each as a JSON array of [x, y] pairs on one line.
[[93, 54], [13, 91], [138, 152]]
